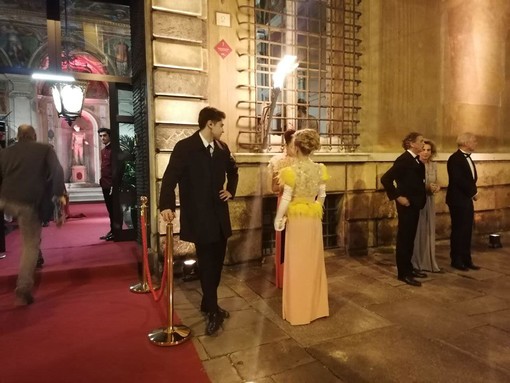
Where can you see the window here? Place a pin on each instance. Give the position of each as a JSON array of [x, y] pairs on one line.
[[323, 91]]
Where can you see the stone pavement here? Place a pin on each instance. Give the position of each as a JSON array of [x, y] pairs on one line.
[[455, 328]]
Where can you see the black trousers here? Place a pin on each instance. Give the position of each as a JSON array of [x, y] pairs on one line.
[[210, 263], [407, 224], [462, 218], [108, 200]]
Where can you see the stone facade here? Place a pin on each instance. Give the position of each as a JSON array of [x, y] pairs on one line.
[[409, 84]]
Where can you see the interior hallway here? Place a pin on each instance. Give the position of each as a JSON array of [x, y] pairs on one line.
[[455, 328]]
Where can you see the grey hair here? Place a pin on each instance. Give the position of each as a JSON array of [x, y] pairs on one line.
[[464, 138]]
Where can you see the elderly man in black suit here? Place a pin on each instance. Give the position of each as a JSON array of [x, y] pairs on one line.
[[460, 195], [26, 169], [199, 165], [408, 173]]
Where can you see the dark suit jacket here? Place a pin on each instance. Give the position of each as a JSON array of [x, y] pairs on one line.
[[461, 184], [27, 170], [409, 177], [204, 216]]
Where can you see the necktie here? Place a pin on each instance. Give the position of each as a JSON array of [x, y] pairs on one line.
[[417, 158], [210, 149], [467, 155]]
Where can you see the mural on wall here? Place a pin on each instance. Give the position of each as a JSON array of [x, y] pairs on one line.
[[18, 43], [95, 36]]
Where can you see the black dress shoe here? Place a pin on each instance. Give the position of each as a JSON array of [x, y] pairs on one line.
[[459, 266], [473, 267], [104, 237], [419, 274], [223, 312], [214, 322], [109, 237], [410, 281]]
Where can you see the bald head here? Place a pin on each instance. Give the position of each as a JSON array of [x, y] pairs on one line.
[[26, 133]]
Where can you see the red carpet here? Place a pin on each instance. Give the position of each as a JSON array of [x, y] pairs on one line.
[[85, 325]]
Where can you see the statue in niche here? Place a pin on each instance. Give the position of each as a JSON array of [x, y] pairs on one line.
[[78, 139]]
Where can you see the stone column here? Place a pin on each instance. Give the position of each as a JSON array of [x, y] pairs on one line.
[[474, 67]]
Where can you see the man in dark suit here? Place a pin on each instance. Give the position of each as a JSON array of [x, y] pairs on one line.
[[408, 173], [199, 165], [26, 168], [106, 180], [460, 195]]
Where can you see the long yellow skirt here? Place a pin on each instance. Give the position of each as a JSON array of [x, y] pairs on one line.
[[305, 287]]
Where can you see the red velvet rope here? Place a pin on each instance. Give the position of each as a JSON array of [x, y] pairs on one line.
[[156, 296]]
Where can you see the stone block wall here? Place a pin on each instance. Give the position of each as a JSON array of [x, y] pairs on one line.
[[187, 74]]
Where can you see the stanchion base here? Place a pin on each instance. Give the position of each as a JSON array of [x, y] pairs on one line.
[[170, 336], [142, 288]]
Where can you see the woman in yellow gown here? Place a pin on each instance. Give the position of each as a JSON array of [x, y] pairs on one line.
[[305, 289]]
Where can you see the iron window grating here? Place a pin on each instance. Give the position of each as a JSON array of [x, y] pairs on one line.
[[324, 34]]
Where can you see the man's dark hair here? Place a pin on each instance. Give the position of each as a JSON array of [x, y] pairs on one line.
[[209, 114], [104, 130], [409, 139], [287, 136]]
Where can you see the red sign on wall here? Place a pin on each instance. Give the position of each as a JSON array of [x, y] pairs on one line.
[[223, 49]]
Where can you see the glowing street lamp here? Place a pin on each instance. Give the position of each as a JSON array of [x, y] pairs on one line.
[[68, 99], [286, 65]]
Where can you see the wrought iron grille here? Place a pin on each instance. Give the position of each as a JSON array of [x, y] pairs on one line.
[[323, 92]]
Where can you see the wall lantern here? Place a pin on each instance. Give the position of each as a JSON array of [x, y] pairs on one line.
[[68, 99]]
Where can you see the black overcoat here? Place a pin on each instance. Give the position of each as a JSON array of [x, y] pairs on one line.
[[204, 217]]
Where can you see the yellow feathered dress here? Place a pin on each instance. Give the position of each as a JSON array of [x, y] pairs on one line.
[[305, 289]]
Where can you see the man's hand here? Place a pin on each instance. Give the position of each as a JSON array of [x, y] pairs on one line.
[[62, 200], [167, 215], [403, 201], [434, 188], [225, 195]]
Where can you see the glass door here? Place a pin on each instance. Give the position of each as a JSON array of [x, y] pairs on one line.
[[125, 212]]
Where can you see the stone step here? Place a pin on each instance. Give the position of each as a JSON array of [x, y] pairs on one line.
[[84, 192]]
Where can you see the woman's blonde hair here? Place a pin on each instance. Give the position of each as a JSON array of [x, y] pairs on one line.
[[307, 140]]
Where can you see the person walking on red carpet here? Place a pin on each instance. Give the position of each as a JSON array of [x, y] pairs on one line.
[[25, 170], [199, 165]]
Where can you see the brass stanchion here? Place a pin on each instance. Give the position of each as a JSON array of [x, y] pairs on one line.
[[171, 335], [143, 287]]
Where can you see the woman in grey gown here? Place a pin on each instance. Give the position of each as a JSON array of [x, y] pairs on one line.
[[424, 254]]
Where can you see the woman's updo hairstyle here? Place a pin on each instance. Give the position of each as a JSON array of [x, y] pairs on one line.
[[307, 140]]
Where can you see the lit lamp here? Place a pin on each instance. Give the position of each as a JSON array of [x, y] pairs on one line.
[[68, 95], [286, 65], [68, 99], [495, 241], [189, 270]]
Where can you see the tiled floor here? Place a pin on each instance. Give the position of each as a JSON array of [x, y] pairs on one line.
[[455, 328]]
